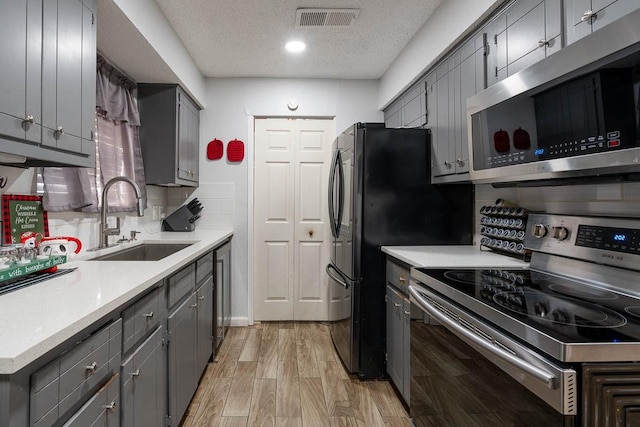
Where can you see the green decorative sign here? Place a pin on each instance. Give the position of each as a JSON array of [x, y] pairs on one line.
[[20, 214], [17, 270]]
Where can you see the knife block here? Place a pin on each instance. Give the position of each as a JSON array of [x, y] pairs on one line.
[[179, 221]]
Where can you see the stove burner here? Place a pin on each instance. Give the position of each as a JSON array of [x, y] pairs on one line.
[[464, 276], [633, 310], [559, 310], [586, 292]]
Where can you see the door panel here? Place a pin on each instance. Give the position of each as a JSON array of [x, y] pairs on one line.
[[292, 162]]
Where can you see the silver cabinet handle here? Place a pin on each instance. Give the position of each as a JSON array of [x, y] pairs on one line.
[[543, 43], [92, 368], [589, 15], [395, 304], [540, 374], [149, 315], [28, 119], [447, 164], [460, 162], [111, 406], [402, 279], [194, 305], [136, 373], [58, 132], [201, 297], [407, 312]]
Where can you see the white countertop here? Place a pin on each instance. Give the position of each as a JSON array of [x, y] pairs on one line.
[[451, 256], [36, 319]]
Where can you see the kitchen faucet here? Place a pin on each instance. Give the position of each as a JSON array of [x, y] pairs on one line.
[[105, 231]]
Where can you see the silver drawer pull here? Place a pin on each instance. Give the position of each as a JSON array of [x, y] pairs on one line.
[[136, 373], [111, 406], [148, 315], [407, 312], [194, 305], [402, 279], [201, 297], [589, 15], [395, 304], [29, 119], [92, 368]]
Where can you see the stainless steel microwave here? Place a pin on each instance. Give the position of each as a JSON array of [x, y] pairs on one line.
[[574, 114]]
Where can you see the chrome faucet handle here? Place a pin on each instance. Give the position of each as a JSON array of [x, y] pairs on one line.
[[112, 231], [134, 233]]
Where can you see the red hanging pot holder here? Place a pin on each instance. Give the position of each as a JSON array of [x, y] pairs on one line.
[[215, 149], [235, 151]]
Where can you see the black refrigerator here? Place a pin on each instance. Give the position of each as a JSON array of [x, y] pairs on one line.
[[380, 194]]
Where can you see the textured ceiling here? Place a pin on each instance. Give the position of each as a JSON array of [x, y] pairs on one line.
[[245, 38]]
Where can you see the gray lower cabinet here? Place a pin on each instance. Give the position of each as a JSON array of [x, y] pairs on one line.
[[48, 87], [223, 292], [398, 319], [169, 135], [205, 337], [143, 395], [582, 17], [182, 357]]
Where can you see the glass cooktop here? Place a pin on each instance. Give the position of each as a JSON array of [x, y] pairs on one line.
[[538, 307]]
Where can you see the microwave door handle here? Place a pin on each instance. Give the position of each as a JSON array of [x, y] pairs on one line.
[[540, 374], [336, 276]]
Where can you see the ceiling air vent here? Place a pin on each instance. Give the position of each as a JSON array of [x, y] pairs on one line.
[[309, 18]]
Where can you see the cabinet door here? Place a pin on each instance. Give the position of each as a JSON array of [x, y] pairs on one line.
[[611, 10], [393, 114], [406, 319], [62, 74], [103, 409], [182, 357], [440, 130], [430, 104], [143, 389], [21, 34], [88, 85], [205, 325], [188, 138], [395, 357], [414, 108]]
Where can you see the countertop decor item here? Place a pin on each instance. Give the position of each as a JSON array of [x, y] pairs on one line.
[[22, 213]]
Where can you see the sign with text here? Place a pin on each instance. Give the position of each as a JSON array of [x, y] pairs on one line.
[[20, 214]]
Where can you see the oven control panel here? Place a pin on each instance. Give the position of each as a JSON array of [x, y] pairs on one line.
[[604, 240]]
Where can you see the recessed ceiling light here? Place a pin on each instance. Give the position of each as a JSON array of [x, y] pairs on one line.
[[295, 46]]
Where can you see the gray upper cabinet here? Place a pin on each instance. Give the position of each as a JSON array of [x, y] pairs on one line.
[[585, 16], [169, 135], [408, 111], [521, 35], [461, 76], [48, 103]]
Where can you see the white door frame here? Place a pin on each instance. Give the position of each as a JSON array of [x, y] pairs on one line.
[[250, 190]]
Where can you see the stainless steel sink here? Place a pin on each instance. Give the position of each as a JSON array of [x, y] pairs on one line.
[[144, 252]]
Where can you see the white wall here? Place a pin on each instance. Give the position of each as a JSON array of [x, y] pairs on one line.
[[231, 105], [442, 30], [82, 225], [148, 18]]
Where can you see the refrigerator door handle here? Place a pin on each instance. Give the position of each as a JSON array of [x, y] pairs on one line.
[[341, 192], [332, 179], [337, 276]]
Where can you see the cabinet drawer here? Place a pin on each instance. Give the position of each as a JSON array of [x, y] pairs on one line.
[[102, 409], [141, 318], [181, 284], [398, 276], [204, 268], [65, 381]]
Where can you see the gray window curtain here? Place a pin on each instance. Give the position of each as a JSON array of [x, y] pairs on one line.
[[118, 153]]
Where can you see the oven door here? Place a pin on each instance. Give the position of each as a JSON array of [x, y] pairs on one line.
[[464, 372]]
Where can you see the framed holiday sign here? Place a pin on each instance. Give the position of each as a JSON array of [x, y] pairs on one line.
[[22, 213]]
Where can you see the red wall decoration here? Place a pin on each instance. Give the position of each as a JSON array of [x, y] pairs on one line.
[[215, 149], [235, 151]]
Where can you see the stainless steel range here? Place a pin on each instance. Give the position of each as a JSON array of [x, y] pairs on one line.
[[555, 344]]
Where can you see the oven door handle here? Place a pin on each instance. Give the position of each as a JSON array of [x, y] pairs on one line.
[[540, 374]]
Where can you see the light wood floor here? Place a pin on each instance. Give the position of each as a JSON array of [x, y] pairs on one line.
[[288, 374]]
